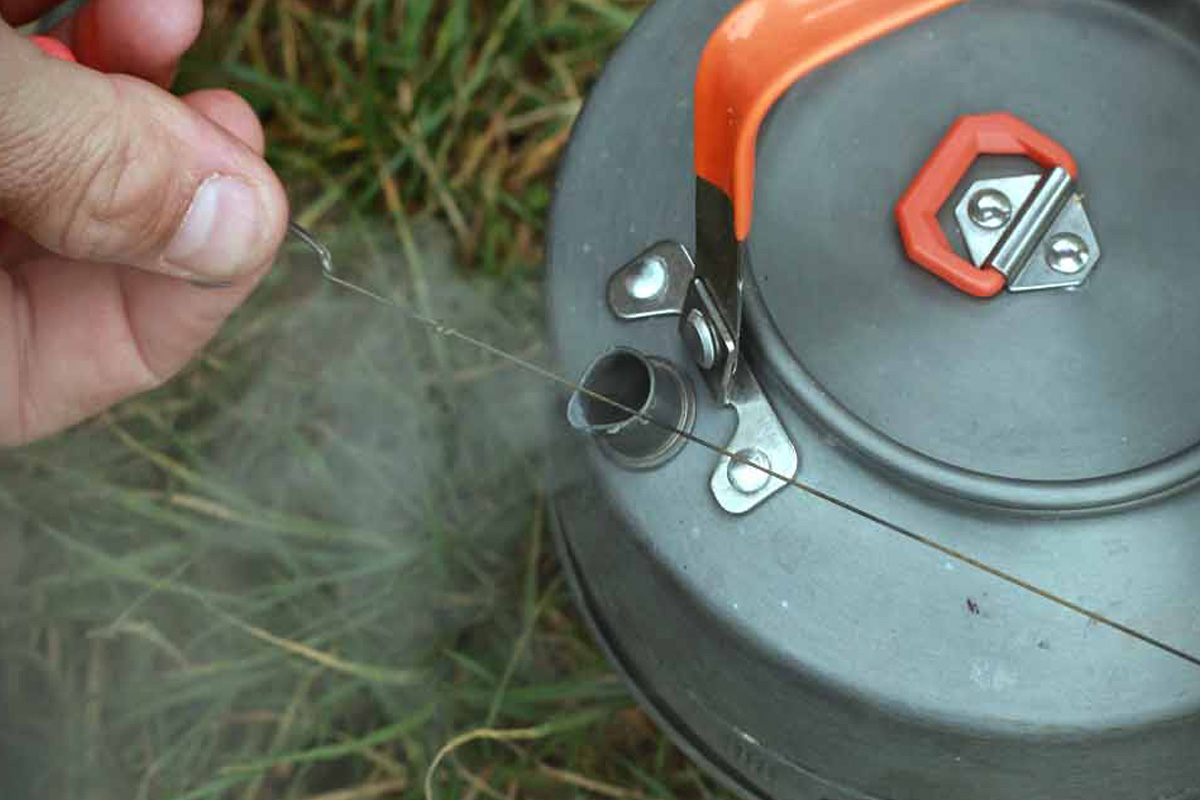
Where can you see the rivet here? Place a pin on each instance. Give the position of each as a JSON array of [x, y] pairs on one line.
[[748, 471], [647, 280], [700, 340], [990, 209], [1067, 253]]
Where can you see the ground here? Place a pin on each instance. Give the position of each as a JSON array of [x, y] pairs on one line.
[[320, 556]]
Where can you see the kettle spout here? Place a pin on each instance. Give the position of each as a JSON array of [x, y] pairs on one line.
[[639, 409]]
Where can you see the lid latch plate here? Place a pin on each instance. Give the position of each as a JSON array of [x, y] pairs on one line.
[[1033, 229]]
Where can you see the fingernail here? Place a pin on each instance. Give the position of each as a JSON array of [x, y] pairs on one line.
[[220, 231]]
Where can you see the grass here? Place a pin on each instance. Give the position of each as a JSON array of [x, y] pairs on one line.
[[317, 563]]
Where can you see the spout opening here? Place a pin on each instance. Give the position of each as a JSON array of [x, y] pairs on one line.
[[615, 391]]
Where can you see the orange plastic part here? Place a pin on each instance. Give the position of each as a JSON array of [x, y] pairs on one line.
[[757, 53], [53, 48], [969, 138]]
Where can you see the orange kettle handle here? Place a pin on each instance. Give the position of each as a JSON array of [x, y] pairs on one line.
[[759, 51]]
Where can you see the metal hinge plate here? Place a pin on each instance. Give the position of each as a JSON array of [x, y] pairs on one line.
[[1032, 228]]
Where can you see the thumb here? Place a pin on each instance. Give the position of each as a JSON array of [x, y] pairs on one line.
[[113, 169]]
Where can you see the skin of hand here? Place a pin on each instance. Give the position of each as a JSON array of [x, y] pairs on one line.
[[132, 222]]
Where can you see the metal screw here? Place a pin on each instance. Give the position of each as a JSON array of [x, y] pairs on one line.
[[990, 209], [700, 340], [1067, 253], [746, 471], [648, 279]]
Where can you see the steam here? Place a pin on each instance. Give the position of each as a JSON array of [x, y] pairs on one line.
[[338, 477]]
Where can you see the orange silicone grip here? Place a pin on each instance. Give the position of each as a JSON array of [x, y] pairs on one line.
[[971, 137], [755, 56]]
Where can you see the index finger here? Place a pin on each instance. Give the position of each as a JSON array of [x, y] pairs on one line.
[[143, 38], [19, 12]]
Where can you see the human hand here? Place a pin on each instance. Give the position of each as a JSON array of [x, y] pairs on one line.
[[121, 207]]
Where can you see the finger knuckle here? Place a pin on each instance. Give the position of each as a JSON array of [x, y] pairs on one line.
[[122, 197]]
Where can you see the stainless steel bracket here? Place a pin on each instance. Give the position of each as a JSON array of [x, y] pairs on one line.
[[655, 284], [1031, 228], [763, 453], [713, 307], [662, 282], [710, 341]]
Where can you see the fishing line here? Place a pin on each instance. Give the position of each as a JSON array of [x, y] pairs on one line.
[[329, 273]]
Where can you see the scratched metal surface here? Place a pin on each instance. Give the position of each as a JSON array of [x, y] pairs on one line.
[[801, 650]]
